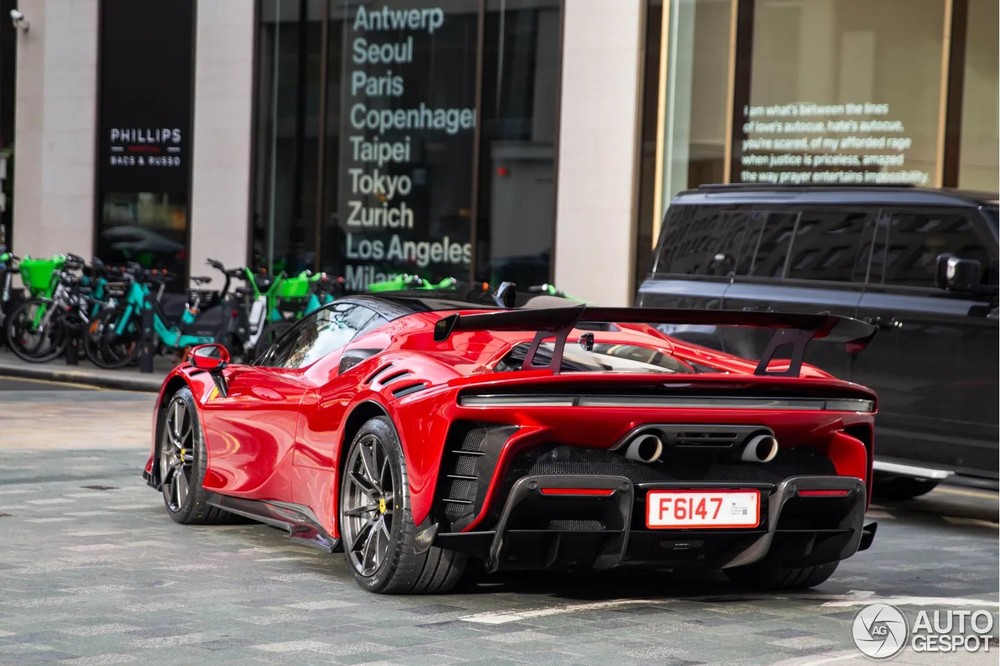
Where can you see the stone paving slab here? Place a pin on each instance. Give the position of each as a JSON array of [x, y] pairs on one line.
[[119, 582], [92, 571]]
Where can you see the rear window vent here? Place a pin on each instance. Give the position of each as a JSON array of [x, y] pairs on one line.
[[408, 389], [378, 371], [390, 378]]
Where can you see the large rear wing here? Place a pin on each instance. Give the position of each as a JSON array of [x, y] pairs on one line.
[[793, 330]]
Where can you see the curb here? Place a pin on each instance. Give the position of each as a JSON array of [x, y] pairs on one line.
[[150, 383]]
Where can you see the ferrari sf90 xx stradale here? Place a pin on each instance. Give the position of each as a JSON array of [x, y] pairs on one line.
[[419, 434]]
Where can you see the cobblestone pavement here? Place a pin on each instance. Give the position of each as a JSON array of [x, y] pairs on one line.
[[92, 571]]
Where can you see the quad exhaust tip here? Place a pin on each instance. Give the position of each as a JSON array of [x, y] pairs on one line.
[[648, 448], [645, 448], [761, 448]]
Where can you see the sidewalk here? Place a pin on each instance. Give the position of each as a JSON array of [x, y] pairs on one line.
[[129, 379]]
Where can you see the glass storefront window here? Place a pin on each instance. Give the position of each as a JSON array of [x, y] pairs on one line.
[[817, 92], [517, 149], [838, 94], [697, 84], [407, 123], [144, 136], [392, 137], [149, 228], [980, 131], [286, 143]]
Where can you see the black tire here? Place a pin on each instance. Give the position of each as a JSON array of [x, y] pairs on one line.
[[770, 575], [106, 349], [376, 525], [892, 488], [30, 343], [181, 454]]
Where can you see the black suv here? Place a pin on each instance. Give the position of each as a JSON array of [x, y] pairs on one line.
[[919, 263]]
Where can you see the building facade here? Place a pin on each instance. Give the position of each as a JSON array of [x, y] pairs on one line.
[[525, 140]]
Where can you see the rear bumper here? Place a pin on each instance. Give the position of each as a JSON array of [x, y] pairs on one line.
[[601, 524]]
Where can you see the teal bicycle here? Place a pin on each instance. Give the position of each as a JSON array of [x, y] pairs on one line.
[[113, 337]]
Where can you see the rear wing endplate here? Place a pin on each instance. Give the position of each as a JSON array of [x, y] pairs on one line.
[[793, 330]]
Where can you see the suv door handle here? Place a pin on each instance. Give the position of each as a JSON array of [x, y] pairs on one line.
[[880, 321], [757, 308]]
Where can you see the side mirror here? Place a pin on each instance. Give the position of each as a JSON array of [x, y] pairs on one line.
[[955, 274], [209, 357]]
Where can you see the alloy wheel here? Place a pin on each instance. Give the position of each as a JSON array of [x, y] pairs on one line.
[[368, 502], [177, 455]]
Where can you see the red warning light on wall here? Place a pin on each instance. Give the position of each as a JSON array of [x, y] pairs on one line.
[[502, 171]]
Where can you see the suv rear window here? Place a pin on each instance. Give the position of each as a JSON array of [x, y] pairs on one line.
[[700, 240], [810, 244], [825, 246]]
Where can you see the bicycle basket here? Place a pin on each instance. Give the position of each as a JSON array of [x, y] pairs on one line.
[[294, 287], [37, 274]]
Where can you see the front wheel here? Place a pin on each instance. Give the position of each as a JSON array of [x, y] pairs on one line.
[[376, 524], [36, 331], [182, 460]]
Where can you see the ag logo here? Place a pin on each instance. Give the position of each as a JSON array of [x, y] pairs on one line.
[[880, 630]]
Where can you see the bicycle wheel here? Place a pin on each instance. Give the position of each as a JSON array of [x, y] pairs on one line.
[[36, 331], [105, 347]]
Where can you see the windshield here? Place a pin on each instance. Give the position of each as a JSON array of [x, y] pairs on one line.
[[604, 357]]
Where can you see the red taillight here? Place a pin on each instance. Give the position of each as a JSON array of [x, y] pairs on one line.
[[823, 493], [592, 492]]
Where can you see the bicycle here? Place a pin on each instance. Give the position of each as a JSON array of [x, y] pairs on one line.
[[113, 336], [8, 267], [39, 329], [452, 288], [301, 296], [407, 282]]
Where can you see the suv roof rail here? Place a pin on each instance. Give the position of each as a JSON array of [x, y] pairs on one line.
[[831, 186]]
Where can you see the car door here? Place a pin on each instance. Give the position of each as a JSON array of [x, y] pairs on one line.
[[249, 431], [934, 359], [323, 408], [810, 259]]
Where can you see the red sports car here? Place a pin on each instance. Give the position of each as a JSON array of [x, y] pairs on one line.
[[422, 433]]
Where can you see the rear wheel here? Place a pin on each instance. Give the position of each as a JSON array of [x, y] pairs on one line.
[[105, 347], [376, 524], [182, 460], [770, 575], [891, 488]]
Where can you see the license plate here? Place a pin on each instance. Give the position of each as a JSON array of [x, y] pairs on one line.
[[689, 509]]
